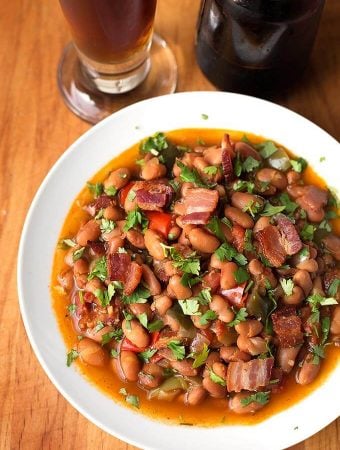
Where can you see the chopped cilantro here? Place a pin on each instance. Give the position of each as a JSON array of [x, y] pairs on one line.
[[104, 296], [242, 185], [78, 254], [115, 334], [154, 144], [114, 353], [140, 295], [214, 225], [205, 116], [266, 149], [270, 210], [258, 397], [333, 288], [190, 307], [136, 218], [208, 315], [248, 245], [99, 269], [95, 188], [66, 243], [143, 319], [189, 281], [287, 286], [200, 357], [111, 191], [72, 355], [98, 327], [253, 207], [322, 158], [211, 170], [241, 275], [72, 308], [188, 264], [216, 378], [191, 175], [155, 326], [240, 316], [307, 232], [226, 252], [177, 349], [289, 205], [250, 164], [299, 164], [106, 225], [129, 398], [147, 354]]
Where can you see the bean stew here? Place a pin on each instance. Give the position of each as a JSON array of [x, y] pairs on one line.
[[197, 278]]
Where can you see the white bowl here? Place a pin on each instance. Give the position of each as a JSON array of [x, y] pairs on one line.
[[46, 216]]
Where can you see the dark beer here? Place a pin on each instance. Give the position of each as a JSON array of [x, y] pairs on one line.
[[256, 46], [110, 31]]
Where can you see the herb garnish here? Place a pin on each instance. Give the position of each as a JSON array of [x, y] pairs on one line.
[[259, 397], [136, 218]]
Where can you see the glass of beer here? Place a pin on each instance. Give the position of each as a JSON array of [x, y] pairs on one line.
[[115, 59]]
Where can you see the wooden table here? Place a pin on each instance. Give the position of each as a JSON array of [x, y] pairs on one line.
[[35, 129]]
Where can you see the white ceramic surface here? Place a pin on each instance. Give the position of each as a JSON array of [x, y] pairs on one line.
[[48, 211]]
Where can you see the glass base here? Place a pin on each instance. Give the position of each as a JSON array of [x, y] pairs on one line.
[[81, 95]]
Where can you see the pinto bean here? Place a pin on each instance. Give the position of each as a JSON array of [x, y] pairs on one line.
[[200, 163], [215, 390], [135, 332], [151, 376], [118, 178], [162, 304], [261, 223], [98, 335], [181, 292], [310, 265], [237, 216], [80, 271], [213, 155], [141, 308], [255, 267], [151, 280], [186, 187], [113, 213], [232, 353], [153, 169], [93, 285], [246, 150], [68, 258], [203, 241], [295, 298], [335, 321], [293, 177], [303, 279], [65, 279], [135, 238], [221, 307], [308, 371], [184, 367], [249, 328], [227, 275], [254, 345], [196, 320], [286, 357], [243, 199], [92, 353], [90, 231], [215, 262], [130, 364], [153, 242], [235, 404], [174, 233], [115, 243], [195, 395], [272, 176]]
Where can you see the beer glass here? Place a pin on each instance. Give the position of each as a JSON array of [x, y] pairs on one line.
[[115, 59]]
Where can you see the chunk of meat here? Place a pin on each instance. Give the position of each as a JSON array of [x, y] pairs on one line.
[[236, 295], [249, 375], [271, 247], [311, 198], [290, 238], [118, 265], [332, 244], [237, 237], [287, 326], [200, 200], [154, 197], [103, 201], [196, 218]]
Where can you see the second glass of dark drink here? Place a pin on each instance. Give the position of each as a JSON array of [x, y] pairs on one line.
[[256, 46], [114, 51]]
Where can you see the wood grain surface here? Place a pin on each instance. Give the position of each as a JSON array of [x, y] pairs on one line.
[[35, 129]]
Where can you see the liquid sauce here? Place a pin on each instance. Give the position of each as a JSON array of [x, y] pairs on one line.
[[213, 411]]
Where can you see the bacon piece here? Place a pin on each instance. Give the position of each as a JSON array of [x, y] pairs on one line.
[[287, 326], [133, 278], [269, 239], [289, 236], [237, 237], [236, 295], [227, 166], [103, 201], [212, 280], [249, 375], [154, 197], [311, 198], [196, 218], [97, 248], [228, 144], [200, 200], [118, 265]]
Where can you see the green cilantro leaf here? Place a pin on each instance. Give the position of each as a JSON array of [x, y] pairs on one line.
[[136, 218], [106, 225], [307, 232], [259, 397], [140, 295], [205, 116], [78, 254], [241, 275], [248, 244], [289, 205], [299, 165], [72, 308], [114, 353], [191, 175], [188, 264], [72, 355], [216, 378], [189, 281], [214, 225], [250, 164], [287, 286], [270, 210], [240, 316], [99, 269], [200, 357], [147, 354], [243, 186], [190, 307], [253, 207], [226, 252], [129, 398], [143, 319], [154, 144], [114, 334], [266, 149], [177, 349], [333, 288], [155, 326], [111, 191], [95, 188], [66, 243], [211, 170], [207, 316]]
